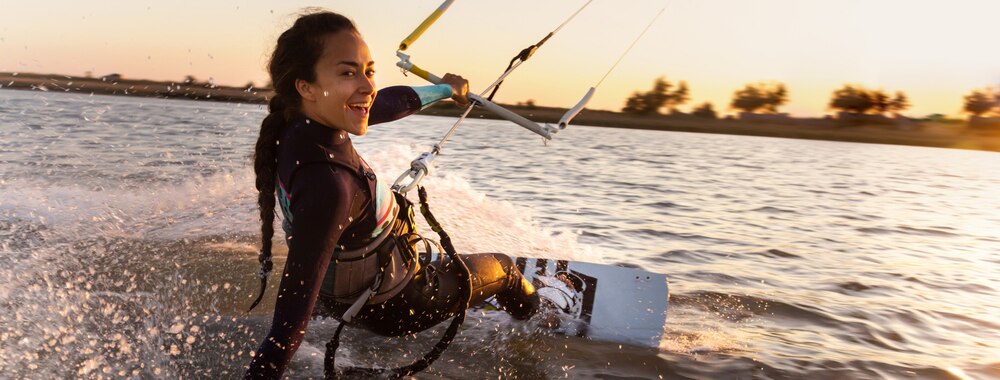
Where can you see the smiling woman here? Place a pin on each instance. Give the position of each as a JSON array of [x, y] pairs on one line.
[[354, 247]]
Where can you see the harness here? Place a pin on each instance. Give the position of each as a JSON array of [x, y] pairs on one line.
[[379, 269], [329, 362], [375, 272]]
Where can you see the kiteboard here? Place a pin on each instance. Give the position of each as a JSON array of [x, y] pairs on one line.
[[599, 302]]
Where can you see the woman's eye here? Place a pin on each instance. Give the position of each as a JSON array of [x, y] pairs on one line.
[[370, 73], [348, 74]]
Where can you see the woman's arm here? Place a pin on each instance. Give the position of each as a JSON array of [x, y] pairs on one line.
[[321, 196], [396, 102]]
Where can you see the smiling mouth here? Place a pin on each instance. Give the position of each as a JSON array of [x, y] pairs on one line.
[[359, 107]]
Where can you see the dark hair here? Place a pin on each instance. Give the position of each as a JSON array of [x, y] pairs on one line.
[[294, 57]]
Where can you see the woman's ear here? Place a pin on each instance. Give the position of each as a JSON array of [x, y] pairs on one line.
[[306, 90]]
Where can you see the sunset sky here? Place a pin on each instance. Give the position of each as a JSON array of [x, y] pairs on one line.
[[936, 51]]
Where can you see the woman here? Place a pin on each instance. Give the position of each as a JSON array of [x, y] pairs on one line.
[[344, 229]]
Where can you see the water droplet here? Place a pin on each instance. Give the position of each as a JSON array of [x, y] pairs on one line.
[[176, 328]]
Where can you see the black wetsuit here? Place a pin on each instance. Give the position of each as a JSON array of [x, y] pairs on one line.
[[332, 208]]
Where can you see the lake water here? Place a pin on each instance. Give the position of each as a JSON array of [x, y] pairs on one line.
[[128, 246]]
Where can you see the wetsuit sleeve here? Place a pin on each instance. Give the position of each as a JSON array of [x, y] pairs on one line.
[[396, 102], [321, 199]]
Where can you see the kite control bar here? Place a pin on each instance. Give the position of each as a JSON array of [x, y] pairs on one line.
[[545, 131], [420, 167]]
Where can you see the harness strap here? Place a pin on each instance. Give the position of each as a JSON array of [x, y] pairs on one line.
[[329, 361]]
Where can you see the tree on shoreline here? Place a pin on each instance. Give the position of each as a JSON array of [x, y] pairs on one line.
[[645, 103], [678, 97], [899, 103], [981, 102], [852, 99], [858, 99], [705, 110], [760, 97], [880, 101]]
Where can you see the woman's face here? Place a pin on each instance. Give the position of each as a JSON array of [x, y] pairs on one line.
[[344, 88]]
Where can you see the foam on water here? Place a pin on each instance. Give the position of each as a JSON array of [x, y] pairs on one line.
[[85, 268]]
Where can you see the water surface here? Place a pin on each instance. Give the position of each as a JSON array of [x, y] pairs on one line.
[[128, 246]]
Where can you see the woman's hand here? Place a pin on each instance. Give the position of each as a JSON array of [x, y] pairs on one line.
[[459, 88]]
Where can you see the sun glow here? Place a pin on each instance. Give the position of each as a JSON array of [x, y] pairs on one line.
[[934, 52]]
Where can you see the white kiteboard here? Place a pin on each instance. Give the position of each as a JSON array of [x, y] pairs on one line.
[[606, 303], [609, 303]]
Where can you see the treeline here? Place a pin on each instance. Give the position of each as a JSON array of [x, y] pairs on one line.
[[767, 97], [983, 102]]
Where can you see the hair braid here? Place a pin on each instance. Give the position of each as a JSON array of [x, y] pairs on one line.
[[265, 166]]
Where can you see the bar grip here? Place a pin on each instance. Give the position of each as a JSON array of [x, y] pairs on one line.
[[425, 74]]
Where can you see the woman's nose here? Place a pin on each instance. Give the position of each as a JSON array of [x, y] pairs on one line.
[[368, 86]]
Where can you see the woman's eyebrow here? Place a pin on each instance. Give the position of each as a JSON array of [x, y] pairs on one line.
[[355, 64]]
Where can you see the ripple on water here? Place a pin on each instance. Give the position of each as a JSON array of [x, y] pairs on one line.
[[774, 210], [681, 256], [718, 278], [906, 230], [736, 307], [974, 323], [683, 236], [776, 253], [855, 288]]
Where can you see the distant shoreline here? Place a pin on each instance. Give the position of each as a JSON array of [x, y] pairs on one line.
[[128, 87], [928, 134]]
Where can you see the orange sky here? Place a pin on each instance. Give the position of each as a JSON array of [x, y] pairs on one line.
[[936, 52]]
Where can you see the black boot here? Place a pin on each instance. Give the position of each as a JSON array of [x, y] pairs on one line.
[[519, 299]]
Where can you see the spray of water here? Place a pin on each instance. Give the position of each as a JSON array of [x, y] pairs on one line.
[[150, 280]]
